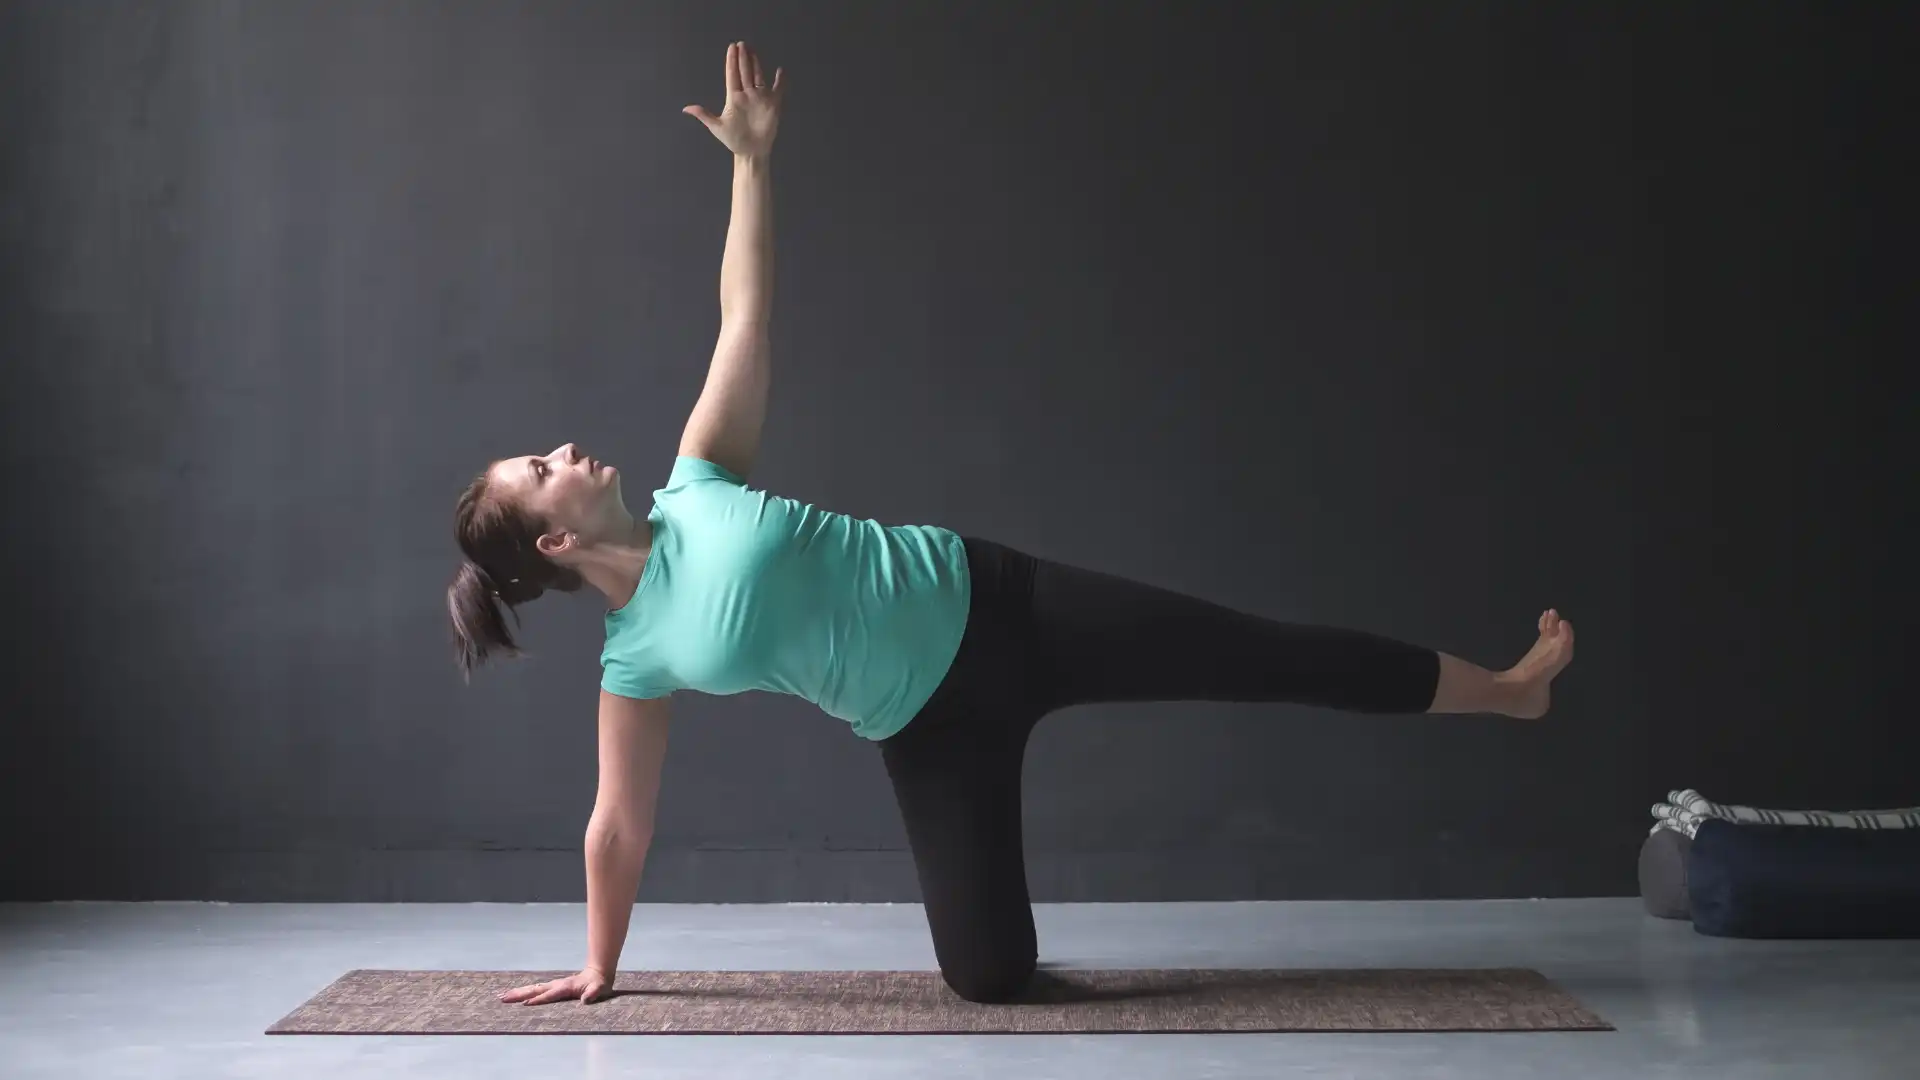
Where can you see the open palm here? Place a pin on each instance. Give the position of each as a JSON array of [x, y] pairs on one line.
[[751, 117]]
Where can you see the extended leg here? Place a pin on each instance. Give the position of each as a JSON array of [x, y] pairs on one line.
[[1106, 638]]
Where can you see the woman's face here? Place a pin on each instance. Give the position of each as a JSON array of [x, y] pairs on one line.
[[571, 491]]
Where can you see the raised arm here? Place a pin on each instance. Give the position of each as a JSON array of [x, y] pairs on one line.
[[724, 427]]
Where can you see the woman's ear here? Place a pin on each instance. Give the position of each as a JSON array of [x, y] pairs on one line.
[[556, 543]]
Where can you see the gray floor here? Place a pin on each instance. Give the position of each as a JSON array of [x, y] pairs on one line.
[[155, 991]]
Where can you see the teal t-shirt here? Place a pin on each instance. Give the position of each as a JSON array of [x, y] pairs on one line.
[[744, 590]]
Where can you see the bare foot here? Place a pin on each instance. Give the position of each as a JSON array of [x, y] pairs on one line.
[[1531, 679]]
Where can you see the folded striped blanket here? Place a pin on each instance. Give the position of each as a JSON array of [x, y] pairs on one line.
[[1686, 808], [1669, 816]]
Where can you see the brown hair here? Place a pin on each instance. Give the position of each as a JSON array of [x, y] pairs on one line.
[[503, 568]]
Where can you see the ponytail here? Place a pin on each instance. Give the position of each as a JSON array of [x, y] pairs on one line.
[[480, 631]]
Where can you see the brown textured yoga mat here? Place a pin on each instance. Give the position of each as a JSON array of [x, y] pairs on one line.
[[370, 1002]]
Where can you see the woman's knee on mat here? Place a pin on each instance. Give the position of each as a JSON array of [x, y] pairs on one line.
[[989, 980]]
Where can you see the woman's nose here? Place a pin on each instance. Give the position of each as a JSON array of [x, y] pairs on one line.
[[567, 452]]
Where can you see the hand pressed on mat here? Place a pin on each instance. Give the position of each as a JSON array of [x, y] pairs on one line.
[[588, 986]]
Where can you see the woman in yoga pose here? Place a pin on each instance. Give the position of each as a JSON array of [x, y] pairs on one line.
[[943, 650]]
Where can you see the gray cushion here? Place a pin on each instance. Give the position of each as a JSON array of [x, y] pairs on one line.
[[1663, 874]]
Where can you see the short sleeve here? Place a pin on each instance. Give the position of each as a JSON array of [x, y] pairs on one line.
[[687, 470], [619, 678]]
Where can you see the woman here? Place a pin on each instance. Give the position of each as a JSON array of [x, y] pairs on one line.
[[943, 650]]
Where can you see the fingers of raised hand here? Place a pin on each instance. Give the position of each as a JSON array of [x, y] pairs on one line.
[[743, 68], [744, 71]]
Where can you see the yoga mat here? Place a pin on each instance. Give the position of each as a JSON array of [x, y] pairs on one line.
[[1059, 1001]]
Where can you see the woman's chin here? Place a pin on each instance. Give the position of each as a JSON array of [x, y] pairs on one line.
[[614, 504]]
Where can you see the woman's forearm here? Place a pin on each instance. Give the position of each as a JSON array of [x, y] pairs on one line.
[[614, 859], [746, 269]]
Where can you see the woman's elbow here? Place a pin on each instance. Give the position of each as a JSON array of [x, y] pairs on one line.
[[615, 827]]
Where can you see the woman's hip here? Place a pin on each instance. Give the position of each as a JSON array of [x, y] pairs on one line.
[[996, 672]]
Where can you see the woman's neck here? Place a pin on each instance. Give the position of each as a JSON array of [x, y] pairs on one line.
[[615, 567]]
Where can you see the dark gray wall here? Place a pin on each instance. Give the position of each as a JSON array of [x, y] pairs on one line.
[[1413, 317]]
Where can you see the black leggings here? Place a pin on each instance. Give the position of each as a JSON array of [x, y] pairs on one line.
[[1041, 636]]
